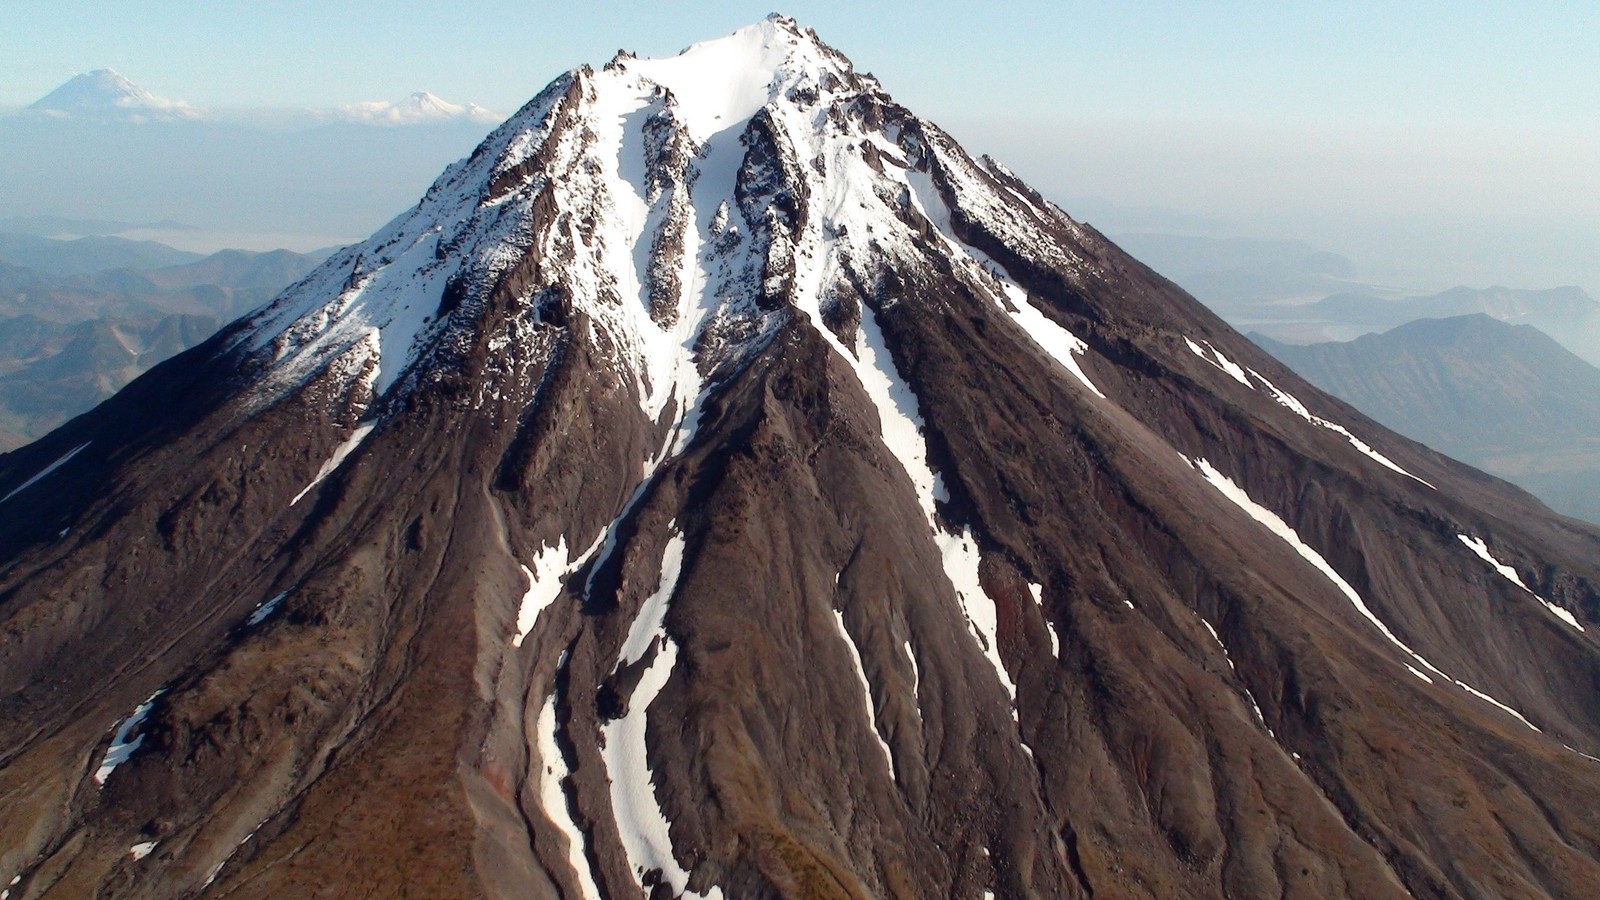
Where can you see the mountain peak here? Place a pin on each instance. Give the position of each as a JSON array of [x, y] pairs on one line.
[[106, 94], [665, 157], [721, 82], [420, 108]]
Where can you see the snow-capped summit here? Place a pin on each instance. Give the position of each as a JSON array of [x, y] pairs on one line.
[[722, 82], [105, 94], [420, 108], [684, 206]]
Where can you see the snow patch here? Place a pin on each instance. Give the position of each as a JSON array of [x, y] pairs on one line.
[[1037, 590], [1568, 746], [217, 869], [866, 690], [553, 776], [264, 610], [141, 850], [126, 740], [1220, 644], [916, 674], [1279, 527], [649, 626], [340, 453], [544, 586], [1060, 344], [961, 557], [1293, 404], [1220, 361], [898, 416], [645, 831], [901, 425], [1256, 708], [65, 458], [1481, 548], [1493, 702], [719, 84]]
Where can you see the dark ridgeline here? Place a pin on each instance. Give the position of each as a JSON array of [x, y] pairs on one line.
[[573, 534]]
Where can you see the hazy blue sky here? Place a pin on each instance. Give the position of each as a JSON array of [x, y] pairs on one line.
[[1327, 120], [1508, 63]]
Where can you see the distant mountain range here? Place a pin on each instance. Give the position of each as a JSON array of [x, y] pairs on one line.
[[1505, 304], [53, 372], [1227, 271], [1506, 398], [106, 96], [100, 152], [95, 253], [225, 283], [1293, 292], [81, 318]]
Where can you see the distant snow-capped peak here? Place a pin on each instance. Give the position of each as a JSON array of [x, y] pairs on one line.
[[105, 94], [419, 108]]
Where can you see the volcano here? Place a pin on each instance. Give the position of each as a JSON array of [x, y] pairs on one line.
[[104, 95], [721, 484]]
